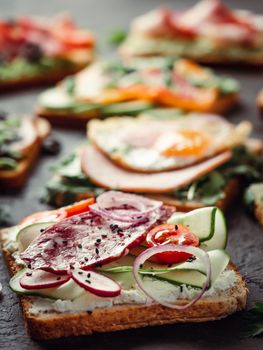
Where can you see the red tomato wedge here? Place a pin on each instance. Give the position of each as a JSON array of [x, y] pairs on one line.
[[171, 234], [78, 207], [58, 214], [42, 216]]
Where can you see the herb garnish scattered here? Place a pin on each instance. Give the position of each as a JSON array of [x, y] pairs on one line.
[[117, 37], [254, 321]]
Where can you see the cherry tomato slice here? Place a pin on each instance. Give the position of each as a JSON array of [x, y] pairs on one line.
[[171, 234], [58, 214], [43, 216], [79, 207]]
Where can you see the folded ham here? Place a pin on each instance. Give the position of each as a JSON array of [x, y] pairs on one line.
[[105, 173]]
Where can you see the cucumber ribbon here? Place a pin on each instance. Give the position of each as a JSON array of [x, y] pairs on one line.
[[197, 252]]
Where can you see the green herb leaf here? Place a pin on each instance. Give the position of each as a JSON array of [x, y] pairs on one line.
[[117, 37], [8, 163], [254, 321]]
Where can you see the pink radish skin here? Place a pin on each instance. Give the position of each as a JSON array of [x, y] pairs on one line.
[[96, 283], [39, 279]]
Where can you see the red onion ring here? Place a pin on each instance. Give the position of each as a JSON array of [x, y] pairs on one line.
[[199, 253], [108, 202]]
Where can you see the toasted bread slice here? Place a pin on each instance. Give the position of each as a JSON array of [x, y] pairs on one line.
[[67, 119], [78, 61], [127, 316], [13, 179], [154, 47]]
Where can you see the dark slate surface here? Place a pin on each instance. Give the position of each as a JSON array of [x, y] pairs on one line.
[[245, 236]]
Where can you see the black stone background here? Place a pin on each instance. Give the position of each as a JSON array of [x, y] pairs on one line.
[[245, 236]]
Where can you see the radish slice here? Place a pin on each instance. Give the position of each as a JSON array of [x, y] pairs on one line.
[[199, 253], [96, 283], [38, 279]]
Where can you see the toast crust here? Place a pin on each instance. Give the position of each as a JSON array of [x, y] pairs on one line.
[[55, 325], [259, 212], [260, 100], [14, 179]]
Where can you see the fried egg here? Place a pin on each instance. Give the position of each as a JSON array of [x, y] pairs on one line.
[[148, 145]]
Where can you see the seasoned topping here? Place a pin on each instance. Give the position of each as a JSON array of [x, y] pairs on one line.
[[86, 246]]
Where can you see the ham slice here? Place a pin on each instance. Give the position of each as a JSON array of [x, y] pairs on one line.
[[106, 174], [90, 239]]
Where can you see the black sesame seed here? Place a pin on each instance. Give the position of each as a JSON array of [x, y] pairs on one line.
[[58, 278], [29, 266], [71, 267], [97, 251], [181, 289], [87, 281], [42, 230], [103, 236], [176, 227], [80, 246], [86, 259], [141, 266], [80, 273], [29, 274], [98, 240], [88, 275], [192, 258]]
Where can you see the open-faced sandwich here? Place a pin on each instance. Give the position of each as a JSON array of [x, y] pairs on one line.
[[187, 161], [208, 32], [253, 199], [122, 262], [127, 88], [20, 142], [36, 50]]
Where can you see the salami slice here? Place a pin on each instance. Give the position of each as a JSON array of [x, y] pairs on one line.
[[90, 239]]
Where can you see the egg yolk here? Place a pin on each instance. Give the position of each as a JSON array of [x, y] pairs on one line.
[[187, 143]]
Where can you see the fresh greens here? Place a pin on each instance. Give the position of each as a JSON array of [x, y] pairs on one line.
[[117, 37], [21, 67], [254, 321], [210, 188], [9, 134]]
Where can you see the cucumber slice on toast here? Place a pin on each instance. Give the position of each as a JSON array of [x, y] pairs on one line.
[[206, 223], [67, 291], [27, 234]]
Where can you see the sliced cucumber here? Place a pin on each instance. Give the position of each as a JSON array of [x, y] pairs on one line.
[[127, 108], [189, 273], [55, 99], [207, 223], [27, 234], [67, 291]]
